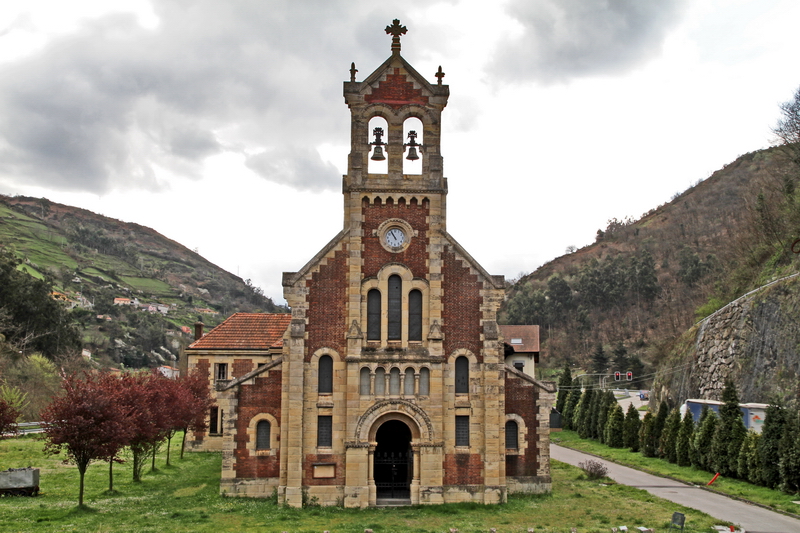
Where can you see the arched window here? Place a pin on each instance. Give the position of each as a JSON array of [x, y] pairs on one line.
[[380, 382], [415, 315], [395, 307], [325, 385], [394, 381], [262, 435], [424, 381], [512, 435], [408, 384], [374, 315], [462, 375], [363, 386]]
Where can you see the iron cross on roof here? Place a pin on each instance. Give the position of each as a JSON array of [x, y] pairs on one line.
[[396, 30]]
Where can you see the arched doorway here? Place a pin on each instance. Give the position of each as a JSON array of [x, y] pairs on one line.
[[393, 466]]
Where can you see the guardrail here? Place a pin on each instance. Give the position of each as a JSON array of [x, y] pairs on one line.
[[29, 427]]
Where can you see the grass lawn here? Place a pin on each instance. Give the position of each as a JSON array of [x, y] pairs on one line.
[[733, 487], [185, 497]]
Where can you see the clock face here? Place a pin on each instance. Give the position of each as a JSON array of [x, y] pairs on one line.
[[395, 237]]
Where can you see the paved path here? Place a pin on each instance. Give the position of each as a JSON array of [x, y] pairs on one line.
[[752, 518]]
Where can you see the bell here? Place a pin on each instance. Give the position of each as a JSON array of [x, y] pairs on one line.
[[412, 154], [377, 155]]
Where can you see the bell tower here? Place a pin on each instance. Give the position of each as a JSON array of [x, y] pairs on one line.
[[395, 120]]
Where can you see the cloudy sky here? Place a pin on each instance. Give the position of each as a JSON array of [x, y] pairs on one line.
[[221, 124]]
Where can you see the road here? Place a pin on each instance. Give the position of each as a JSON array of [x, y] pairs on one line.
[[751, 518]]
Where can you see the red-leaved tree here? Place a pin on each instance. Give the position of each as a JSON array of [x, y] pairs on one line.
[[8, 419], [137, 395], [87, 421], [192, 414]]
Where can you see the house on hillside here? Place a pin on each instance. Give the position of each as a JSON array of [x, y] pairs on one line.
[[388, 383], [123, 301]]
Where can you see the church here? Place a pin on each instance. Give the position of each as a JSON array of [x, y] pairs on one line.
[[390, 383]]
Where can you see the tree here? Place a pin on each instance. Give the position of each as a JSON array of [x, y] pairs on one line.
[[669, 437], [564, 386], [36, 322], [87, 422], [683, 446], [572, 402], [647, 444], [659, 422], [584, 414], [789, 464], [768, 446], [619, 359], [729, 434], [193, 413], [632, 425], [788, 127], [615, 427], [748, 467], [8, 419], [606, 402], [599, 360], [702, 456]]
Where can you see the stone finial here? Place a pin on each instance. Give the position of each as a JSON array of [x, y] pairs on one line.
[[439, 75], [396, 30], [353, 71]]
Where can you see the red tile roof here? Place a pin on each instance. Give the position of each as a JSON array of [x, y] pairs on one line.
[[246, 331], [528, 335]]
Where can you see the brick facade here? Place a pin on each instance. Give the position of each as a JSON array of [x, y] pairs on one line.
[[461, 306], [391, 409]]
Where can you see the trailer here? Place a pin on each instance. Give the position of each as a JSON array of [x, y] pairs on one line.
[[19, 482], [752, 413]]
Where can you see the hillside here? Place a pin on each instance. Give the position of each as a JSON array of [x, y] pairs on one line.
[[643, 283], [93, 260]]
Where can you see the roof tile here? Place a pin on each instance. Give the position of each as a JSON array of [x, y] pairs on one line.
[[246, 331]]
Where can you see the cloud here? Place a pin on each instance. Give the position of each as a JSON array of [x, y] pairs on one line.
[[106, 106], [300, 168], [565, 39]]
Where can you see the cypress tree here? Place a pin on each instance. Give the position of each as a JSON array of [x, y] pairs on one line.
[[646, 441], [658, 426], [684, 444], [564, 387], [729, 434], [607, 402], [789, 464], [583, 414], [747, 467], [594, 410], [632, 425], [615, 427], [569, 410], [768, 445], [669, 437], [701, 456]]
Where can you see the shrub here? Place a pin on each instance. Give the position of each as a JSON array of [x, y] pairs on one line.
[[594, 469]]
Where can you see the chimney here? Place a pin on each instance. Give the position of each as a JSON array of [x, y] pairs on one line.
[[198, 330]]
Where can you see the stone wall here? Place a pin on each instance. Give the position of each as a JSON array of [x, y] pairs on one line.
[[755, 341]]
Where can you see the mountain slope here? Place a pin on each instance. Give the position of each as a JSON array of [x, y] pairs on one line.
[[93, 259], [644, 282]]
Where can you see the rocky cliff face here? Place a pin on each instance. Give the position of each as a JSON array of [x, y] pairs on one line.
[[755, 341]]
